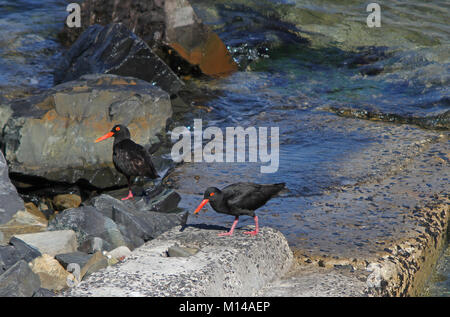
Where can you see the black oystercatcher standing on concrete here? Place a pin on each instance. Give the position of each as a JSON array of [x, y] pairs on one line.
[[240, 199], [129, 158]]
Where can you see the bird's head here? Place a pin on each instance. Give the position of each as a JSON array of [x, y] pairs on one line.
[[119, 132], [212, 194]]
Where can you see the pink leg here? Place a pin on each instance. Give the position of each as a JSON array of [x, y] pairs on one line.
[[254, 232], [229, 233], [130, 195]]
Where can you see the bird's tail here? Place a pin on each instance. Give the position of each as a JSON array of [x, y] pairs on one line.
[[276, 188]]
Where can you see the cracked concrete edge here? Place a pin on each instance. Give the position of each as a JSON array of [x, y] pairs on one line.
[[223, 266], [401, 269], [404, 270]]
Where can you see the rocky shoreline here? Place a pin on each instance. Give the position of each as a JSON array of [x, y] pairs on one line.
[[64, 232]]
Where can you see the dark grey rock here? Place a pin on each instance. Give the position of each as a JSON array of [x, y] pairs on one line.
[[27, 252], [165, 202], [10, 201], [43, 292], [87, 222], [170, 27], [16, 251], [114, 49], [19, 281], [137, 224], [94, 244], [79, 258]]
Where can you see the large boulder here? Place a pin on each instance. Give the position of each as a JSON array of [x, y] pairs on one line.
[[52, 135], [113, 49], [170, 27], [10, 201]]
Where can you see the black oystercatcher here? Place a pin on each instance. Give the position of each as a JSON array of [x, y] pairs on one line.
[[129, 158], [240, 199]]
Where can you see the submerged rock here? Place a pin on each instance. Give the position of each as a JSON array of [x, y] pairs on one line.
[[10, 201], [170, 27], [113, 49], [52, 135], [437, 122], [19, 281], [250, 32]]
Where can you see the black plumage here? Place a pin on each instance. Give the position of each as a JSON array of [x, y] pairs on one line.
[[129, 158], [240, 199]]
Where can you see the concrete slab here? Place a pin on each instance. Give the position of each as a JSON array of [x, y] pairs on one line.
[[225, 266]]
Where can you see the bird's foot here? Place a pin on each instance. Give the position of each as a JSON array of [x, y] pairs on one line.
[[130, 195], [252, 233], [229, 233]]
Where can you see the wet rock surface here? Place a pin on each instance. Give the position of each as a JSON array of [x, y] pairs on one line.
[[52, 135], [307, 281], [113, 49], [224, 266], [249, 33], [170, 27], [436, 122]]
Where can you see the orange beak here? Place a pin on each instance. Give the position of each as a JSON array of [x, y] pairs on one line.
[[107, 135], [204, 202]]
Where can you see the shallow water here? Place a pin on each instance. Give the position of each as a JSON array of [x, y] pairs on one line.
[[316, 55], [28, 42]]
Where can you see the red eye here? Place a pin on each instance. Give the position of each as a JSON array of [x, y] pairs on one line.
[[212, 194], [117, 128]]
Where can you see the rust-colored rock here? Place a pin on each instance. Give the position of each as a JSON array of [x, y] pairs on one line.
[[170, 27], [58, 144], [65, 201]]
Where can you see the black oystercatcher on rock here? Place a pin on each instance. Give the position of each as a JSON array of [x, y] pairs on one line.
[[129, 158], [240, 199]]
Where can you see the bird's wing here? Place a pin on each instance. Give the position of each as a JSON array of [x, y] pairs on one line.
[[135, 159], [247, 196]]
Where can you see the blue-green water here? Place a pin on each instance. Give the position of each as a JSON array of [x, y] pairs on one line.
[[306, 56]]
